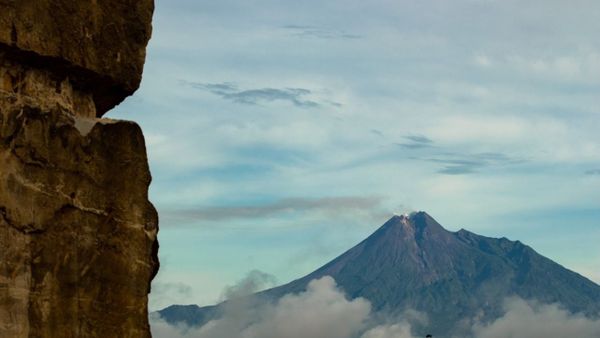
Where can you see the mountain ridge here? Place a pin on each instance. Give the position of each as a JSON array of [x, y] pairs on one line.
[[412, 262]]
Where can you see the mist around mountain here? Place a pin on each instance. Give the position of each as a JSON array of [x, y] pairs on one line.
[[409, 278]]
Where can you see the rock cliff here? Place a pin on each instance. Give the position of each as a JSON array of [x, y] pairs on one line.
[[78, 246]]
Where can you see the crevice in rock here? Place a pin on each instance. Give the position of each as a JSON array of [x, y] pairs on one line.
[[14, 39], [106, 92], [27, 229]]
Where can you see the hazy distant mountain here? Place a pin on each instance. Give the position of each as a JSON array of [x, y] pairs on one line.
[[412, 262]]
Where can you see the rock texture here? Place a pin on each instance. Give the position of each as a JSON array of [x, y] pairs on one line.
[[99, 45], [78, 245]]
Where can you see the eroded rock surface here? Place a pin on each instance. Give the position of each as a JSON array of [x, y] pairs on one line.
[[99, 45], [78, 245]]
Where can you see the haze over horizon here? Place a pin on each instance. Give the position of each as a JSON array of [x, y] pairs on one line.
[[281, 134]]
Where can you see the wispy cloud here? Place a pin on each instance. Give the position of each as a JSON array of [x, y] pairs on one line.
[[333, 205], [230, 91], [453, 163], [461, 164], [593, 172], [319, 32], [178, 288], [254, 281], [416, 142], [377, 132]]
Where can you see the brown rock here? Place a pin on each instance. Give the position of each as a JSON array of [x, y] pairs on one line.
[[78, 245], [99, 45]]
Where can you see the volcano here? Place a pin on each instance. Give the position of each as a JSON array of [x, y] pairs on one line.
[[412, 262]]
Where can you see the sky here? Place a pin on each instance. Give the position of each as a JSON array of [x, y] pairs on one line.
[[282, 133]]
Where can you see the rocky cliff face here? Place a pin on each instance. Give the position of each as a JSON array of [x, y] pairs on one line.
[[78, 242]]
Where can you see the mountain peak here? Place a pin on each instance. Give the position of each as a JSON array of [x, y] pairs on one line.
[[411, 217], [412, 262], [415, 224]]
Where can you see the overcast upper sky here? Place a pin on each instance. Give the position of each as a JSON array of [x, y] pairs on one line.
[[281, 133]]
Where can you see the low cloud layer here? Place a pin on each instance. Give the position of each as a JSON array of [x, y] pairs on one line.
[[309, 314], [323, 311], [532, 320]]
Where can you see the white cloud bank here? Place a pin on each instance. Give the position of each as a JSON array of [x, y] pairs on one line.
[[323, 311], [531, 320]]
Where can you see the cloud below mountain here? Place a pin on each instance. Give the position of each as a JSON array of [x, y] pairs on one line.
[[324, 311], [531, 319]]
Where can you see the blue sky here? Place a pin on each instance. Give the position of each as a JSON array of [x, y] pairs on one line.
[[281, 133]]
